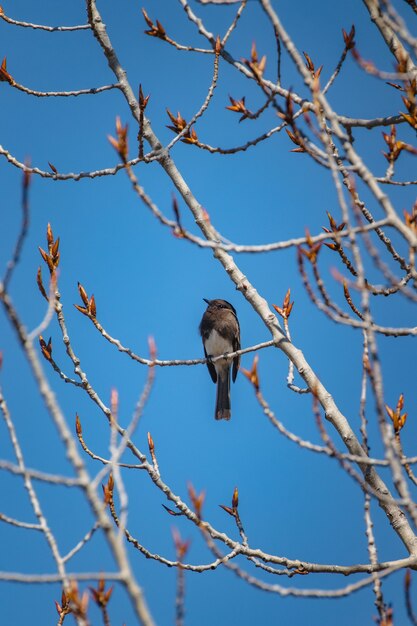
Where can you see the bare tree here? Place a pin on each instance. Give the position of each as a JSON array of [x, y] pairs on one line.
[[359, 272]]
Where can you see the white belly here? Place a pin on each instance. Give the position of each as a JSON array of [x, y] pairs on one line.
[[216, 344]]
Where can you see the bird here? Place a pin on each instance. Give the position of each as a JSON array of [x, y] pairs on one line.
[[220, 332]]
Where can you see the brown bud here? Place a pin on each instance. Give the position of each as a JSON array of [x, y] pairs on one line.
[[152, 347], [54, 248], [197, 500], [400, 403], [82, 310], [46, 348], [235, 498], [4, 74], [143, 101], [181, 546], [151, 443], [398, 419], [218, 45], [40, 283], [171, 512], [78, 427], [43, 254], [108, 489], [161, 29], [110, 482], [92, 307], [121, 143], [349, 39], [147, 19], [83, 294], [252, 375], [47, 260], [49, 234], [228, 510], [309, 63]]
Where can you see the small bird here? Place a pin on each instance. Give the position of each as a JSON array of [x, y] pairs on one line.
[[220, 331]]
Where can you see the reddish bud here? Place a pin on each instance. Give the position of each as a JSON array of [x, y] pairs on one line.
[[252, 375], [78, 427], [83, 294], [235, 498]]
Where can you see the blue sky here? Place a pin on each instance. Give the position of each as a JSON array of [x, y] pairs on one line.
[[147, 282]]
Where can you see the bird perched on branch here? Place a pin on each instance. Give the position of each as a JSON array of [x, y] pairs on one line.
[[220, 332]]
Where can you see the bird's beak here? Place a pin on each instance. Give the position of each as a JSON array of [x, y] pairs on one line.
[[205, 300]]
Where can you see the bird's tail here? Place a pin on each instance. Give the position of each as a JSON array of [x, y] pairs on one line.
[[223, 411]]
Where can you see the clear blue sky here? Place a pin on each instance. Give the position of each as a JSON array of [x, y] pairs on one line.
[[147, 282]]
